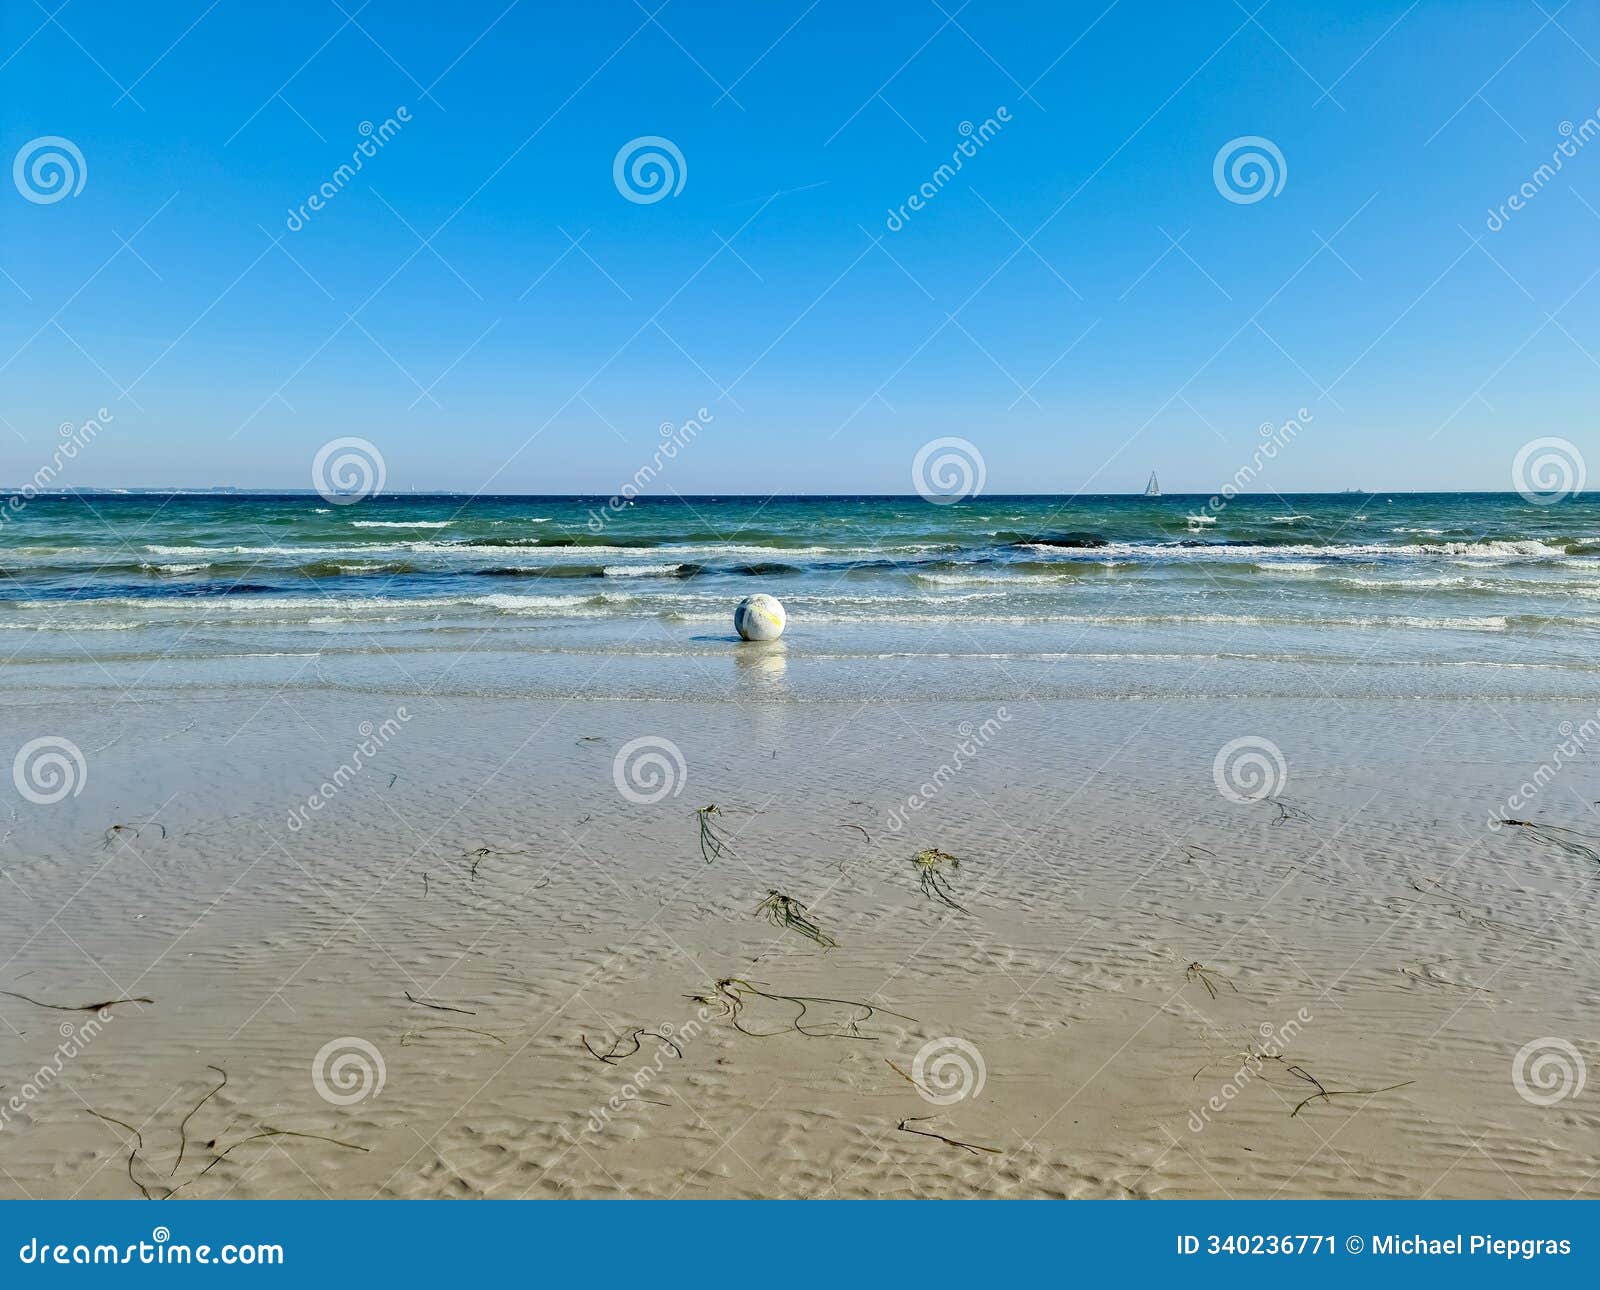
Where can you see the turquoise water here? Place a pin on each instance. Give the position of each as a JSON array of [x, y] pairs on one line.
[[1484, 575], [1317, 555]]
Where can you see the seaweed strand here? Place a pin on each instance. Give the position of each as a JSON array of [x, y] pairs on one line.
[[715, 841], [785, 911], [933, 869], [183, 1125], [730, 994]]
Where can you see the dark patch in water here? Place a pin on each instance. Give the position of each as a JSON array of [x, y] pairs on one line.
[[865, 566], [1075, 541], [223, 589], [764, 569], [145, 590], [586, 540]]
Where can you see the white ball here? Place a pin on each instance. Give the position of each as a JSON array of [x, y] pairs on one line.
[[759, 618]]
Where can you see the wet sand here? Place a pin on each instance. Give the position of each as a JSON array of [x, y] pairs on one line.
[[1368, 932]]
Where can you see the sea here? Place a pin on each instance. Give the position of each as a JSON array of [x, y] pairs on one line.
[[1425, 579]]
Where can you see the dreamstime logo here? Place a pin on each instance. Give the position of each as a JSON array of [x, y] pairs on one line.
[[75, 1037], [671, 1041], [1274, 439], [48, 769], [1575, 741], [348, 1070], [1275, 1041], [1547, 471], [49, 168], [348, 470], [674, 439], [972, 139], [973, 741], [948, 1070], [648, 769], [74, 439], [374, 739], [372, 138], [1249, 769], [945, 471], [1572, 139], [1548, 1070], [1249, 168], [649, 168]]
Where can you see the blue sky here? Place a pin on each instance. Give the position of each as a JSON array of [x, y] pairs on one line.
[[1037, 305]]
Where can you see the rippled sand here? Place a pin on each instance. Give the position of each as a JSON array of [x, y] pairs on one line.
[[1370, 932]]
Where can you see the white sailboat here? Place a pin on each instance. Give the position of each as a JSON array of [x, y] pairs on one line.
[[1152, 489]]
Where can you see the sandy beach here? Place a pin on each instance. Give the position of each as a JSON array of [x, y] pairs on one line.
[[477, 967]]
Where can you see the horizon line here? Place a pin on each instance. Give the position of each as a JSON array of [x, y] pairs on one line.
[[232, 490]]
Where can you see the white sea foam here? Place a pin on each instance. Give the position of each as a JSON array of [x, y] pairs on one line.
[[297, 552], [1494, 550], [1019, 579], [514, 604], [123, 626], [640, 570], [1407, 584]]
